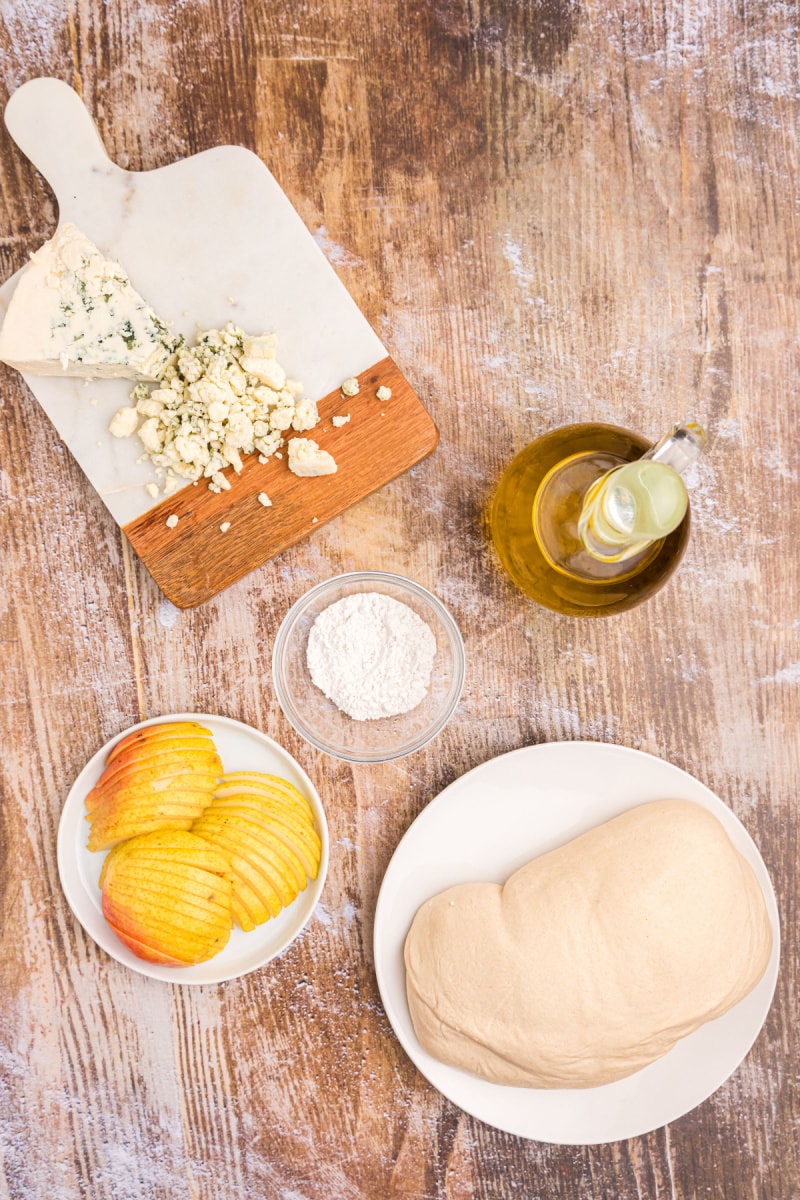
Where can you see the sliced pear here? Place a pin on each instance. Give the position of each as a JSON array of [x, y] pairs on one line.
[[273, 870], [167, 896], [160, 776], [251, 888], [161, 748], [299, 837], [261, 783], [256, 834], [152, 734], [193, 796]]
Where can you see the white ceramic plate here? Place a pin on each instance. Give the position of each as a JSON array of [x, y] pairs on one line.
[[487, 824], [241, 749]]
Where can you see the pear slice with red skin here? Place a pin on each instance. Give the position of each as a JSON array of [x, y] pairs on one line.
[[188, 928], [110, 823], [142, 770], [148, 953], [163, 748], [147, 809], [175, 765], [152, 734], [153, 756], [142, 775], [158, 946], [189, 796], [150, 899], [139, 808]]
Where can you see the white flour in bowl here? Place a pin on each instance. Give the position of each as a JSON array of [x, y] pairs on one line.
[[371, 655]]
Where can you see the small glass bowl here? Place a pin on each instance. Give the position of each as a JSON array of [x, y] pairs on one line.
[[318, 719]]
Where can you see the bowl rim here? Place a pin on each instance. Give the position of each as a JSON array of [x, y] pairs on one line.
[[403, 584]]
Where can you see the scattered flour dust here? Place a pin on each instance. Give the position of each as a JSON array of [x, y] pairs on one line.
[[371, 655]]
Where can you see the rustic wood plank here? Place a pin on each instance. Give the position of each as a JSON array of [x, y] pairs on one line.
[[550, 213]]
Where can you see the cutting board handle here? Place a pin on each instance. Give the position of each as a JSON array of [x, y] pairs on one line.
[[50, 124]]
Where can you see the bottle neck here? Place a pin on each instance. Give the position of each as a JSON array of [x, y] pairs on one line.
[[637, 504]]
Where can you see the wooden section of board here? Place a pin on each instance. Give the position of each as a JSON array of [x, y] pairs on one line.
[[222, 536]]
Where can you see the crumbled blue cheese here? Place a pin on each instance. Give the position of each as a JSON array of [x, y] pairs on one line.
[[306, 458], [225, 526], [350, 386], [340, 421], [224, 397], [171, 521], [264, 499], [384, 393], [75, 312]]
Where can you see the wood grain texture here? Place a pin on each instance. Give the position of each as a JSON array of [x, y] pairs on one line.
[[550, 211], [197, 558]]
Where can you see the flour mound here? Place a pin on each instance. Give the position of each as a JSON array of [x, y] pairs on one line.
[[371, 655]]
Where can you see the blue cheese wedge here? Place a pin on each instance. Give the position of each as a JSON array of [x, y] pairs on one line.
[[75, 312]]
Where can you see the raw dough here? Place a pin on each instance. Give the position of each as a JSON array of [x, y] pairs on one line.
[[594, 959]]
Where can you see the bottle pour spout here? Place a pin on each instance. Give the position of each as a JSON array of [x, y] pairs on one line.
[[639, 503], [679, 448]]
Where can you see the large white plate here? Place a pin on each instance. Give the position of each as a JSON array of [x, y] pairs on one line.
[[483, 827], [241, 749]]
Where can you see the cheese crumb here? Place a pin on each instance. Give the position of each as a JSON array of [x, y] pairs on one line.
[[384, 393], [350, 386], [151, 489], [124, 422], [264, 499], [219, 483], [340, 421], [306, 458], [171, 521], [225, 526]]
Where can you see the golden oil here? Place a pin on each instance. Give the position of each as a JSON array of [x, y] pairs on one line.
[[534, 524]]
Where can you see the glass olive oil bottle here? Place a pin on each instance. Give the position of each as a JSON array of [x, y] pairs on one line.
[[590, 520]]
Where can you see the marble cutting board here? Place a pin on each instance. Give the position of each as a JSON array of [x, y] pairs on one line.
[[209, 239]]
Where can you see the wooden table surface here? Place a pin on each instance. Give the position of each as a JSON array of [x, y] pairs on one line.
[[550, 211]]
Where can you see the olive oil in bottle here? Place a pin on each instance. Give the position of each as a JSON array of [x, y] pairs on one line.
[[584, 533]]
